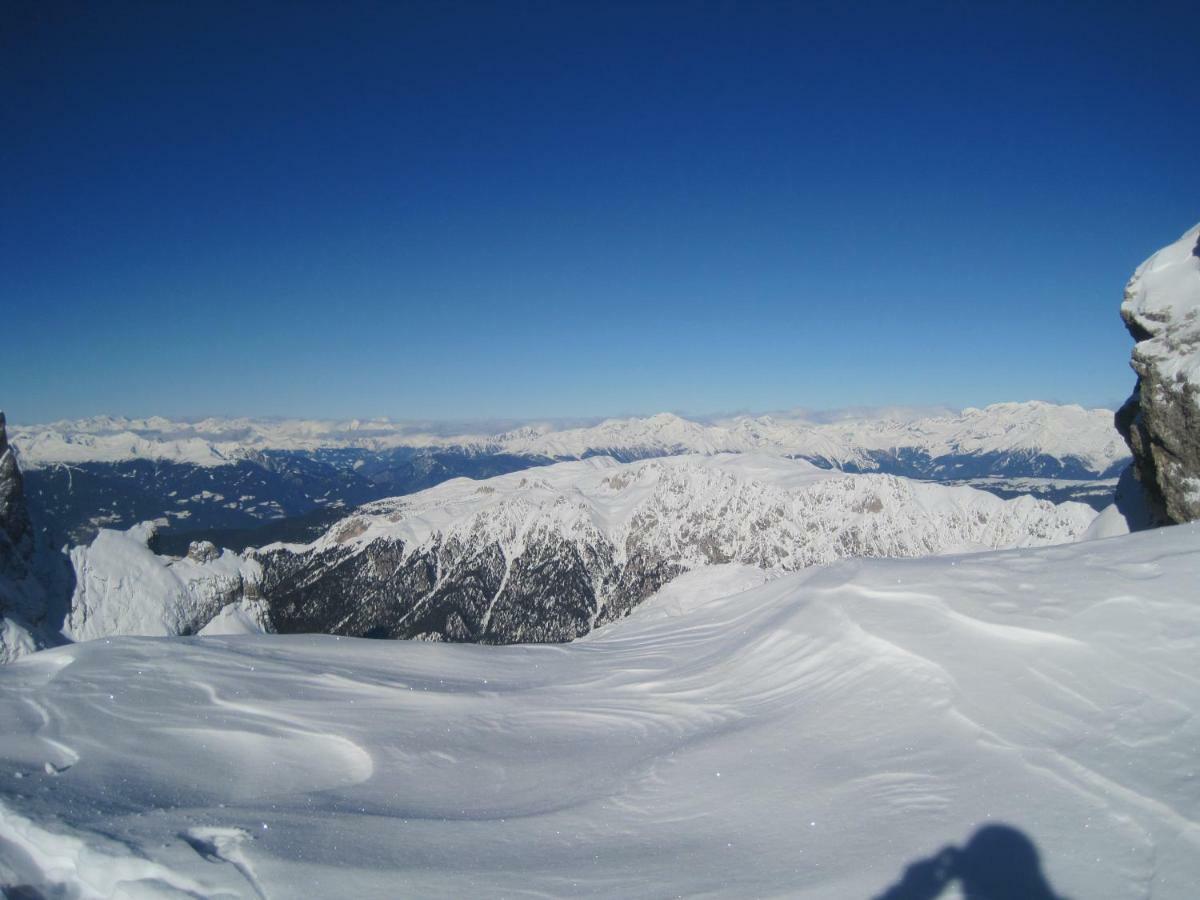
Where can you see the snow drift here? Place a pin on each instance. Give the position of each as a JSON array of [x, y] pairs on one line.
[[813, 736]]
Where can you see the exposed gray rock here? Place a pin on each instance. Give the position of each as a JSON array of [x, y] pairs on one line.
[[16, 532], [24, 599], [203, 551], [1161, 419]]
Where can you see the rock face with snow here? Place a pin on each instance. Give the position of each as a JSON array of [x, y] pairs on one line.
[[16, 533], [1161, 420], [23, 602], [122, 587], [549, 554]]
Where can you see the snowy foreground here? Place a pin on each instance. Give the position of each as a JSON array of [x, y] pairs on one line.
[[812, 736]]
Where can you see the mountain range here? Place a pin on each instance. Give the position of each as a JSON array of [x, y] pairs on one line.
[[550, 553], [247, 482]]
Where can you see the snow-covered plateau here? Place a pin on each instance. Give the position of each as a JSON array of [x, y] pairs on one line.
[[824, 734]]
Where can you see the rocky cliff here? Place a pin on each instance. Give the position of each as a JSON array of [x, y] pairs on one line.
[[16, 533], [23, 598], [1161, 420]]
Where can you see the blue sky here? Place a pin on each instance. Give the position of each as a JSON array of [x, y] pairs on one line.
[[529, 210]]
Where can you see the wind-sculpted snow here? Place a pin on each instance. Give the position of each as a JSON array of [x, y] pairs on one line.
[[813, 736], [546, 555]]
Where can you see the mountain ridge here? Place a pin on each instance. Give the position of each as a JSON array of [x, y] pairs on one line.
[[548, 554], [1060, 429], [242, 482]]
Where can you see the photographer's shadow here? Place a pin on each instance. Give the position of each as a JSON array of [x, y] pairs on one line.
[[998, 863]]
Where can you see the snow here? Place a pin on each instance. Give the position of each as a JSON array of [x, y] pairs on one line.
[[242, 617], [1163, 298], [811, 736], [1111, 522], [1034, 427]]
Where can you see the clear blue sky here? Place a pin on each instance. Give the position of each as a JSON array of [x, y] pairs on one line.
[[460, 210]]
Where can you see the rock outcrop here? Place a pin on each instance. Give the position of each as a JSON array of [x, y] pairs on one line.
[[16, 532], [123, 587], [1161, 420], [23, 600]]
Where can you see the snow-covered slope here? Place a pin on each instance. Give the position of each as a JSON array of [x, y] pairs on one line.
[[827, 734], [742, 498], [1161, 420], [546, 554]]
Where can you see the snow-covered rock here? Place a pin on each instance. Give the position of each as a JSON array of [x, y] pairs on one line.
[[549, 553], [1161, 420], [871, 726], [123, 587]]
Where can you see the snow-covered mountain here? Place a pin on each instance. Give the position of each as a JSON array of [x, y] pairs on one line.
[[1041, 438], [548, 554], [1072, 436], [872, 726], [242, 482]]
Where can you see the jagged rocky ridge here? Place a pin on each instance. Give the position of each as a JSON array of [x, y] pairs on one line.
[[1161, 419], [549, 554]]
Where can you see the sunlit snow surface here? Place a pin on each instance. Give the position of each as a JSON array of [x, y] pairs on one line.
[[807, 737]]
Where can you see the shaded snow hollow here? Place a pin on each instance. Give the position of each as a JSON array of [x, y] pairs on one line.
[[808, 737]]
